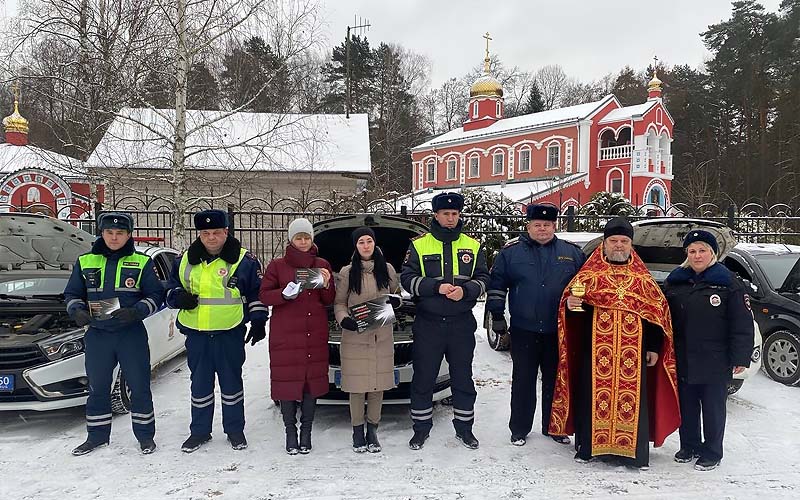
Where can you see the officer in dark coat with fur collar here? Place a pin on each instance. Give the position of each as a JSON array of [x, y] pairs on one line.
[[215, 285]]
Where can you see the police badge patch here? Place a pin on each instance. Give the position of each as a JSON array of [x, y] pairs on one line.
[[747, 302], [715, 300], [130, 282], [222, 272]]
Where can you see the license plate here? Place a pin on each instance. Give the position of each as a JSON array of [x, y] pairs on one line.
[[337, 378], [396, 377], [6, 383]]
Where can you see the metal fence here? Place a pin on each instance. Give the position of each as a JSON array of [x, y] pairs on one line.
[[261, 224]]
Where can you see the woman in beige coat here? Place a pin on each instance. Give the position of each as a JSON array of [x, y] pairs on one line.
[[367, 357]]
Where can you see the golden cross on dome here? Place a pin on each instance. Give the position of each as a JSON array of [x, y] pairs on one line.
[[486, 59], [655, 65]]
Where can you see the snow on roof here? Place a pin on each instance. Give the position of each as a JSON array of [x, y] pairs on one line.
[[142, 138], [524, 122], [628, 112], [14, 158], [520, 192]]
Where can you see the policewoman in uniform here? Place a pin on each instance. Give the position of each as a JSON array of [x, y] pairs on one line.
[[215, 285], [115, 271], [445, 273], [532, 271], [713, 328]]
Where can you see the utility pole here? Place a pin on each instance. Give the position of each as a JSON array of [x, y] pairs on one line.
[[361, 25]]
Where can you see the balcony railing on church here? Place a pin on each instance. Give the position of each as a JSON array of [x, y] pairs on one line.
[[616, 152]]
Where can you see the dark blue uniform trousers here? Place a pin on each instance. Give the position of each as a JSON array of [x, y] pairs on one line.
[[530, 352], [220, 353], [452, 337], [104, 350], [710, 400]]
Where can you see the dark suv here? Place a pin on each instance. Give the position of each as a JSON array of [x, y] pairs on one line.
[[773, 274]]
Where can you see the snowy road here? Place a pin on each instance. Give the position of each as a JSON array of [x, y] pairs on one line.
[[762, 451]]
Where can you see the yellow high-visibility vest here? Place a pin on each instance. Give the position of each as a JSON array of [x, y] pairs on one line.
[[220, 307]]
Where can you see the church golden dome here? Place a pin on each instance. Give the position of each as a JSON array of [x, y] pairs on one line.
[[15, 122], [486, 85]]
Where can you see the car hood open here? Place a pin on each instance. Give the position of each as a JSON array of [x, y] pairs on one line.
[[40, 240], [659, 242], [393, 234]]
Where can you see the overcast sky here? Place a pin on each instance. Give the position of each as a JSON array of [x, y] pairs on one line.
[[588, 38]]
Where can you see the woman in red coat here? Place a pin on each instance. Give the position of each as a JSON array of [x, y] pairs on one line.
[[298, 334]]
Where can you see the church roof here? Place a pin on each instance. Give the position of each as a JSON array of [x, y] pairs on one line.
[[522, 192], [141, 138], [522, 123], [628, 112], [13, 158]]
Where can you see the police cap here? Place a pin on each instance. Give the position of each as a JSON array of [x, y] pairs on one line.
[[210, 219]]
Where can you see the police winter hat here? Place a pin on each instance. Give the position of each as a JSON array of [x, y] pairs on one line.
[[115, 220], [300, 225], [541, 212], [210, 219], [618, 227], [447, 201], [362, 231], [700, 235]]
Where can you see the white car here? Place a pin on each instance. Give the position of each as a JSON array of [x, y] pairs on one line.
[[659, 242], [41, 348]]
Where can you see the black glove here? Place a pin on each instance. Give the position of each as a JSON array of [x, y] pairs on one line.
[[394, 301], [349, 323], [126, 314], [184, 299], [257, 333], [499, 325], [82, 317]]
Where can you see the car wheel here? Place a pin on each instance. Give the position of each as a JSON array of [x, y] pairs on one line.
[[734, 385], [120, 396], [496, 342], [781, 357]]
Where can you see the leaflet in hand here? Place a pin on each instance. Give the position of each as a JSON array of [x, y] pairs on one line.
[[373, 313], [102, 309], [309, 277]]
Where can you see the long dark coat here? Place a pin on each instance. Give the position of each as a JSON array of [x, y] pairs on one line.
[[298, 333]]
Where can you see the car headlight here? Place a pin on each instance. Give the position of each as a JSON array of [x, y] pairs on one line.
[[63, 345]]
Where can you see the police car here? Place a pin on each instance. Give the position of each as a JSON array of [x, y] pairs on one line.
[[393, 235], [659, 242], [41, 348]]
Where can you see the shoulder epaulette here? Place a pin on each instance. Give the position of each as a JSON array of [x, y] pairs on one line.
[[573, 244], [420, 236], [251, 256], [511, 243]]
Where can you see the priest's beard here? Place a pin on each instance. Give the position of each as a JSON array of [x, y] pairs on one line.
[[618, 257]]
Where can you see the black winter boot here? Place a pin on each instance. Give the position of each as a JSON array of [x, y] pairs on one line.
[[417, 441], [88, 447], [306, 420], [467, 438], [373, 445], [359, 443], [289, 414]]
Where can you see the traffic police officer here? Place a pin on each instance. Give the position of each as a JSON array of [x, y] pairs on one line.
[[535, 268], [445, 271], [215, 285], [115, 272]]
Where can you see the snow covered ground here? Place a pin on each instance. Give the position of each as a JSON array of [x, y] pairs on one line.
[[761, 454]]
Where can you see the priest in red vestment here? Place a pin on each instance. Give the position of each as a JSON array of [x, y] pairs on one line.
[[616, 387]]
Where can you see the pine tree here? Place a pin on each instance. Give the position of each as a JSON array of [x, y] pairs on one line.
[[534, 103]]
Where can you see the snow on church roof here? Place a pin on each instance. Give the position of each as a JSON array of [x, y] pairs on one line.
[[14, 158], [142, 138], [524, 122], [521, 192], [628, 112]]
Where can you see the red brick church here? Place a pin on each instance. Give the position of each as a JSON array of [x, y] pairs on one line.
[[561, 156], [36, 180]]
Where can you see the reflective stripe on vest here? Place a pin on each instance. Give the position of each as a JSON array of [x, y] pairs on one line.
[[219, 307], [134, 264], [428, 245]]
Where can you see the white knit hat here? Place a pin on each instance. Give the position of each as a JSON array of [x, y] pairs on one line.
[[300, 225]]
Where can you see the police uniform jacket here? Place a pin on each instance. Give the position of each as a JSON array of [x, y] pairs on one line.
[[712, 323], [470, 273], [136, 285], [246, 277], [534, 276]]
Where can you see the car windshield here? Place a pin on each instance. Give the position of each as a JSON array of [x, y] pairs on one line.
[[44, 285], [777, 267]]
